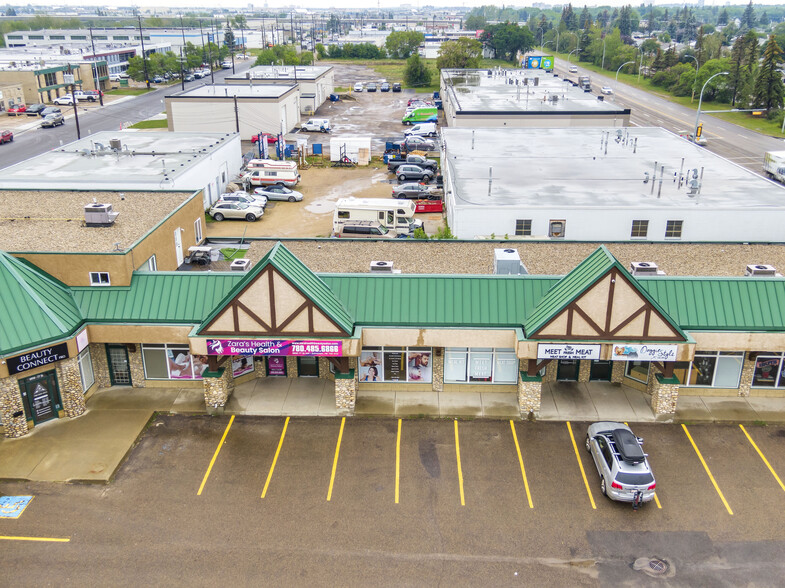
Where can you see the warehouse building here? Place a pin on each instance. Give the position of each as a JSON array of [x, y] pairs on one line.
[[602, 184], [316, 82], [523, 98], [134, 161], [44, 83], [247, 110]]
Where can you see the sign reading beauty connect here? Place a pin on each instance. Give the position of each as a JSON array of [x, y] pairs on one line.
[[644, 352], [34, 359], [557, 351], [273, 347]]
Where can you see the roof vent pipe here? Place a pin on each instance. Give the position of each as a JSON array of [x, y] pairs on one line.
[[490, 180], [653, 178], [635, 145], [662, 174]]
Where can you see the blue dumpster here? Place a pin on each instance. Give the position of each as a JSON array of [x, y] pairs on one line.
[[317, 148], [334, 98]]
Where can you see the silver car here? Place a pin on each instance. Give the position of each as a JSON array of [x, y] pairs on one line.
[[413, 172], [625, 474], [278, 193], [253, 200], [236, 210]]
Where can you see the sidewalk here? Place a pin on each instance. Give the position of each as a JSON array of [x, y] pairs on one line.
[[92, 447]]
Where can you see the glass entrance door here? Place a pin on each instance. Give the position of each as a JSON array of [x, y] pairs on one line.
[[308, 366], [41, 395], [601, 370], [119, 368], [567, 370]]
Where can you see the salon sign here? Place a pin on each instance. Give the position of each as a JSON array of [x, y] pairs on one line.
[[558, 351], [274, 347], [629, 352]]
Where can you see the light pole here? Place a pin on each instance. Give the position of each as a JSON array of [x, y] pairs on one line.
[[697, 67], [603, 52], [542, 34], [144, 55], [569, 55], [700, 101], [621, 66]]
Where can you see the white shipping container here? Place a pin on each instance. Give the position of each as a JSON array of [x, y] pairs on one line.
[[358, 149]]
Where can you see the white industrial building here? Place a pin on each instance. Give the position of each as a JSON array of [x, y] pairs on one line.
[[316, 82], [523, 98], [602, 184], [139, 161], [248, 110]]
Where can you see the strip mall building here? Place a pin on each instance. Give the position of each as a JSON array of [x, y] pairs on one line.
[[367, 332]]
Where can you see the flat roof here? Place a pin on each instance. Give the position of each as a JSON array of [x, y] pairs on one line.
[[37, 221], [596, 168], [145, 158], [513, 91], [228, 91], [284, 72]]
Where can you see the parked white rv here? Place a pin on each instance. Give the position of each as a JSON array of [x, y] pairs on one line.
[[390, 212]]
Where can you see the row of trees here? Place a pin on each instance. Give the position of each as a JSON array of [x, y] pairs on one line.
[[398, 45]]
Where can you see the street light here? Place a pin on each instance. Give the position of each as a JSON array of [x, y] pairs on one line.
[[603, 53], [621, 66], [700, 101], [570, 55], [697, 67]]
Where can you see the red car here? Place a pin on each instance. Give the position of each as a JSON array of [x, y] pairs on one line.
[[16, 110], [6, 137], [271, 139]]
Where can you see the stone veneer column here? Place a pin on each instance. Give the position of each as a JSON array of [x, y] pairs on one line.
[[617, 371], [747, 373], [584, 370], [100, 365], [551, 371], [529, 394], [437, 370], [218, 386], [291, 367], [137, 367], [70, 383], [664, 394], [11, 404], [345, 392], [260, 367]]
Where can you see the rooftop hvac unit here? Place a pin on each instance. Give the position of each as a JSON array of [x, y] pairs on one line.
[[99, 215], [508, 262], [240, 265], [116, 144], [765, 271], [645, 268], [383, 267]]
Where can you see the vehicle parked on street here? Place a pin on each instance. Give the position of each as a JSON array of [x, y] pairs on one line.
[[226, 65], [625, 474], [358, 87], [607, 90], [92, 95], [6, 137], [370, 87], [316, 125], [396, 87], [415, 191], [158, 80], [235, 210], [49, 110], [52, 120], [245, 198], [279, 193], [35, 109], [17, 110], [385, 87], [394, 162], [198, 74], [427, 129], [413, 172], [189, 77], [66, 100]]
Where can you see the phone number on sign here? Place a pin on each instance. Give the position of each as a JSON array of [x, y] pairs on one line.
[[300, 348]]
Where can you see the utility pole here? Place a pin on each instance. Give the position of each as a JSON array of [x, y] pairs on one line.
[[95, 69], [291, 26], [201, 34], [75, 101], [237, 118], [210, 54], [144, 55], [231, 47], [182, 54]]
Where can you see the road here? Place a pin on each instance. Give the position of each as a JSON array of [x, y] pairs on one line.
[[417, 502], [735, 143], [35, 141]]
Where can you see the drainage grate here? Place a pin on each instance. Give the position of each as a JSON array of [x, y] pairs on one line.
[[658, 566], [653, 566]]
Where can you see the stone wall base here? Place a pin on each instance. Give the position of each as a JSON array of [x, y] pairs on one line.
[[218, 386], [529, 395], [346, 393], [664, 396]]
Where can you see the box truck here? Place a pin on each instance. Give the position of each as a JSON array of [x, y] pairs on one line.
[[774, 165]]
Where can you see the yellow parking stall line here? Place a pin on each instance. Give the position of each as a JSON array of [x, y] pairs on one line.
[[458, 457], [763, 457], [520, 461], [215, 456], [335, 460], [398, 462], [708, 471], [656, 498], [580, 465], [275, 458], [44, 539]]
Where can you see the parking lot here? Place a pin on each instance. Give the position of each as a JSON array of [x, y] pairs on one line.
[[419, 501]]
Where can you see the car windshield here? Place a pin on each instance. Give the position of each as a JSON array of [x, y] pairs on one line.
[[242, 205], [634, 479], [283, 190]]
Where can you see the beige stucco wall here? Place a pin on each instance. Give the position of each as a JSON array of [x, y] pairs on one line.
[[72, 352], [730, 341], [373, 337], [139, 334]]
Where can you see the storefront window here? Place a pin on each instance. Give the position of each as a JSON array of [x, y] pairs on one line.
[[481, 364], [768, 371], [638, 371], [396, 364], [86, 369], [172, 362], [506, 367], [711, 369], [455, 364]]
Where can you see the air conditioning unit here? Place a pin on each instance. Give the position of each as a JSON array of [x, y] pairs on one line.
[[382, 267], [240, 265], [508, 262], [645, 268], [762, 271], [99, 215]]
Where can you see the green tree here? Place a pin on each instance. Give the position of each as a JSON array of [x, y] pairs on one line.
[[722, 19], [768, 90], [475, 22], [568, 18], [240, 22], [464, 53], [748, 18], [10, 11], [401, 44], [764, 19], [585, 20], [321, 51], [228, 35], [700, 46], [416, 74], [507, 40]]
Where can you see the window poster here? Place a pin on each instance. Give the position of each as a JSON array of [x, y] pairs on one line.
[[179, 363], [394, 366], [200, 365], [276, 365], [370, 366], [419, 367], [241, 364]]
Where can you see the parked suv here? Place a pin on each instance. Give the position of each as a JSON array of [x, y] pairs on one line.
[[245, 198], [621, 463], [52, 120], [365, 230], [413, 172]]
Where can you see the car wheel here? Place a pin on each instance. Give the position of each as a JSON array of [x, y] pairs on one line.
[[292, 199], [400, 196], [426, 178], [250, 217], [218, 216], [588, 444], [402, 178], [602, 487]]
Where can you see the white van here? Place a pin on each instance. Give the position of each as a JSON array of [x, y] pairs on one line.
[[422, 130], [390, 212], [316, 125], [269, 172]]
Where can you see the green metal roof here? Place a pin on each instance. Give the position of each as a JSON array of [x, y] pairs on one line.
[[34, 307], [302, 278], [158, 297]]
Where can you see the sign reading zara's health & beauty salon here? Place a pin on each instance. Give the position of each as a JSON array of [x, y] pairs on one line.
[[644, 352], [274, 347], [34, 359], [559, 351]]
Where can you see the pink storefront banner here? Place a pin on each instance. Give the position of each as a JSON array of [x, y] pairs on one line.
[[274, 347]]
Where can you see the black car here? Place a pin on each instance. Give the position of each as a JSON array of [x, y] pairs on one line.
[[158, 80], [49, 110], [396, 87], [385, 87], [370, 87], [35, 109]]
